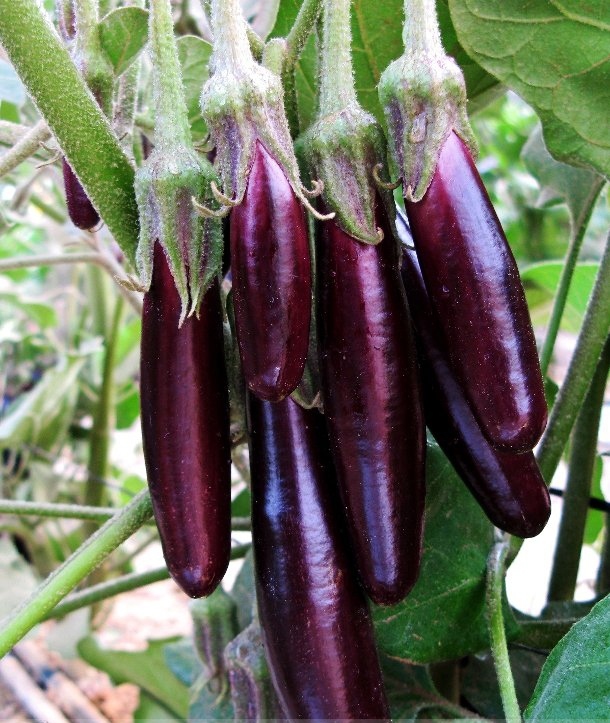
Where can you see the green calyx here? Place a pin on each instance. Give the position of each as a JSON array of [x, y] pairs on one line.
[[242, 106], [345, 149], [423, 95], [166, 186]]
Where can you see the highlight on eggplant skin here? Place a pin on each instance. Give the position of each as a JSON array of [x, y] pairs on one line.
[[508, 486], [474, 287], [373, 406], [80, 209], [185, 430], [271, 273], [316, 625]]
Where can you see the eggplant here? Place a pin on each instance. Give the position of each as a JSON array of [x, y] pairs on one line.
[[508, 486], [474, 288], [316, 625], [372, 403], [271, 273], [185, 430], [80, 209]]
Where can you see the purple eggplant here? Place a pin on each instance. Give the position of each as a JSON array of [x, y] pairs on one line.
[[316, 624], [372, 402], [508, 486], [185, 429], [474, 287], [271, 280], [80, 209]]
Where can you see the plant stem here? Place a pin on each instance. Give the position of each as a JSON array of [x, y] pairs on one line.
[[49, 509], [300, 32], [172, 128], [231, 45], [588, 349], [25, 147], [103, 422], [85, 559], [579, 228], [497, 633], [53, 213], [81, 129], [24, 262], [337, 90], [578, 488], [89, 55], [98, 593], [421, 34]]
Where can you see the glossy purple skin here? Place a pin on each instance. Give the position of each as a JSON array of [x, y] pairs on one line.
[[373, 407], [80, 209], [271, 281], [185, 430], [316, 624], [475, 290], [508, 486]]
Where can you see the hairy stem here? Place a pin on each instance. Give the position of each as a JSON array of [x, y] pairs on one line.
[[171, 122], [80, 564], [421, 33], [98, 593], [337, 90], [75, 119], [300, 32], [578, 233], [578, 488], [497, 633], [25, 147]]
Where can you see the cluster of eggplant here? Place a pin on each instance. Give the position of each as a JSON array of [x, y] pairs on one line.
[[434, 331], [337, 499]]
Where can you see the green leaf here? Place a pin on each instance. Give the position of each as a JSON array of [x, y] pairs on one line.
[[559, 181], [146, 669], [11, 87], [123, 34], [194, 55], [555, 56], [181, 658], [413, 696], [240, 506], [575, 680], [43, 413], [127, 407], [541, 280], [43, 314], [443, 617]]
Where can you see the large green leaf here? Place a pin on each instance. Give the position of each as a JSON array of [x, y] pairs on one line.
[[555, 56], [123, 34], [444, 615], [376, 41], [147, 669], [575, 680]]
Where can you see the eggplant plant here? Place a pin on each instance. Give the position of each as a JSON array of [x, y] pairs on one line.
[[320, 259]]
